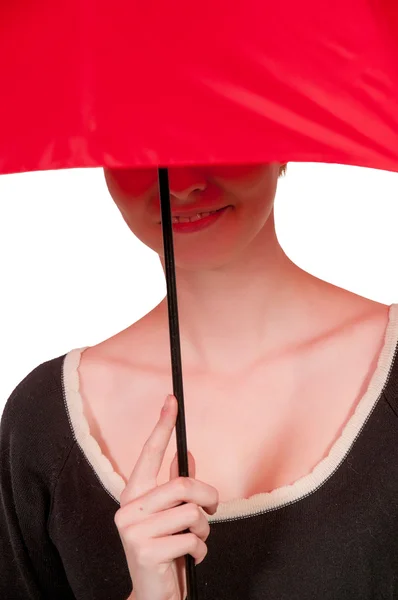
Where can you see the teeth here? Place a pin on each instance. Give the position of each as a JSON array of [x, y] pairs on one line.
[[196, 217]]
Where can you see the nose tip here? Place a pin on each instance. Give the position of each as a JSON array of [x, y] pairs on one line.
[[184, 181]]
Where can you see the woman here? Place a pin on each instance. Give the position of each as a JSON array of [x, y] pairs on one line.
[[286, 380]]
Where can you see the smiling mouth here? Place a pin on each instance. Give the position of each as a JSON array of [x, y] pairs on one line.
[[195, 217]]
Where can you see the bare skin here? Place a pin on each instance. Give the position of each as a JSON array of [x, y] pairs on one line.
[[274, 359], [277, 418]]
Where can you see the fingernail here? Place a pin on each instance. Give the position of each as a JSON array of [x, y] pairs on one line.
[[166, 404]]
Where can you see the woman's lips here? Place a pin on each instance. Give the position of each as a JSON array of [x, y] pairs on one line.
[[193, 216], [202, 223], [193, 213]]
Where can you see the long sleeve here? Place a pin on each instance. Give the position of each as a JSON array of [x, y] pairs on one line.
[[30, 566]]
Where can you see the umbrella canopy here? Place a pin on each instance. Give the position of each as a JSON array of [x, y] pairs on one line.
[[147, 83]]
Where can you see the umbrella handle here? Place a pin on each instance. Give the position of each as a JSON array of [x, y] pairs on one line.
[[175, 348]]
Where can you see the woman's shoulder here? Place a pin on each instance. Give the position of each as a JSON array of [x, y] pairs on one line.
[[31, 393], [34, 429], [388, 360], [143, 344]]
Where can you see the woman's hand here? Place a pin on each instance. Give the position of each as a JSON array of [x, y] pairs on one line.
[[151, 517]]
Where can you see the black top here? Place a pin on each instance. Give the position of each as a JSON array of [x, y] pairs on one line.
[[331, 535]]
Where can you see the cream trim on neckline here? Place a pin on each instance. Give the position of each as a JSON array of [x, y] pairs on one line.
[[114, 484]]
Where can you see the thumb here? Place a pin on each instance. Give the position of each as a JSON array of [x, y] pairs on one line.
[[191, 466]]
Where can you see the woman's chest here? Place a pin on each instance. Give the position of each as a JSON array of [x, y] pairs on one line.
[[250, 437]]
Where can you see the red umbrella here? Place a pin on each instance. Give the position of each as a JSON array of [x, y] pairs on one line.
[[144, 84], [149, 83]]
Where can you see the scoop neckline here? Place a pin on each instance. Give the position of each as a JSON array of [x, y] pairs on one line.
[[113, 483]]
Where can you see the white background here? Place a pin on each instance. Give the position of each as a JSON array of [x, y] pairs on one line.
[[72, 273]]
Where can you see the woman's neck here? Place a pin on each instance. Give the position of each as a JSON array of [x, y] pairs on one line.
[[231, 316]]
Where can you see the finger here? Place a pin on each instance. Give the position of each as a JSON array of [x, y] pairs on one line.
[[144, 475], [174, 520], [164, 550], [182, 489], [168, 495], [174, 473]]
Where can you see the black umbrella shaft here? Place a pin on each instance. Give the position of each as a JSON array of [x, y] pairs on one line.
[[175, 347]]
